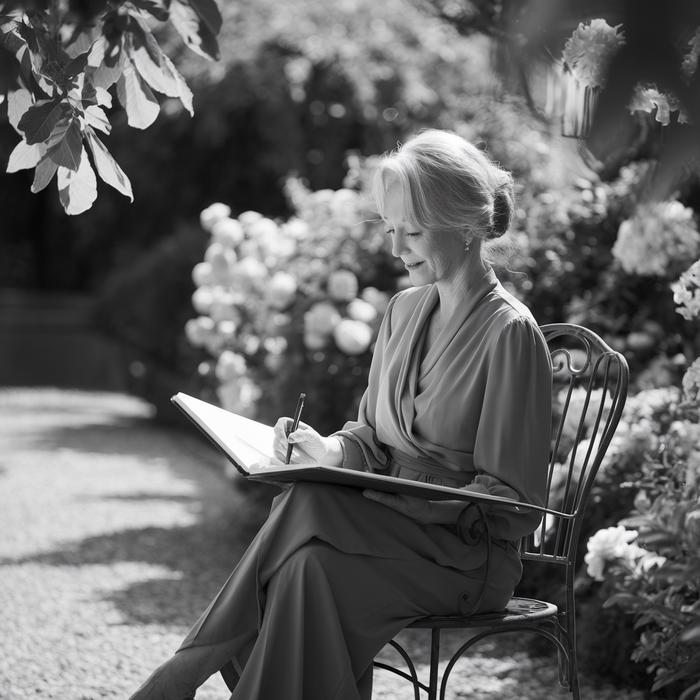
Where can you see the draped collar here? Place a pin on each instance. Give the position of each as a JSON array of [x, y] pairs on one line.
[[406, 387]]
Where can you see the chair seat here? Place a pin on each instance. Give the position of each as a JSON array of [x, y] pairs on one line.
[[518, 610]]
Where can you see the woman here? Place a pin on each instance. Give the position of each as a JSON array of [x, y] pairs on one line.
[[458, 394]]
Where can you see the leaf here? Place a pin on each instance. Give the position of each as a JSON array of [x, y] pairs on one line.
[[43, 174], [208, 10], [161, 75], [136, 97], [658, 539], [77, 189], [108, 168], [156, 8], [196, 33], [625, 600], [95, 117], [24, 156], [9, 71], [18, 102], [691, 634], [65, 147], [41, 118]]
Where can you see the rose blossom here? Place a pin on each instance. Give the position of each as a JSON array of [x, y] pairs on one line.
[[352, 337]]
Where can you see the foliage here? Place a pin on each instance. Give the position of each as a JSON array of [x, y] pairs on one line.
[[653, 571], [294, 301], [58, 93]]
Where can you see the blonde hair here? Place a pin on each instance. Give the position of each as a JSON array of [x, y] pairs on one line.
[[448, 183]]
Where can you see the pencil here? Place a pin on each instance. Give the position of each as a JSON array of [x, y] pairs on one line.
[[295, 425]]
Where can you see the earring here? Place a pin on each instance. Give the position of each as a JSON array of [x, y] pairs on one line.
[[468, 244]]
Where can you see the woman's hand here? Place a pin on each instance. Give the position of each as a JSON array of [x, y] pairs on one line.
[[419, 509], [309, 446]]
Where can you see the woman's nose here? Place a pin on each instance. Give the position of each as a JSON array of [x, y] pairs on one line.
[[398, 243]]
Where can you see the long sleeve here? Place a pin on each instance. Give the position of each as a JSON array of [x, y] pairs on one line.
[[512, 445], [361, 448]]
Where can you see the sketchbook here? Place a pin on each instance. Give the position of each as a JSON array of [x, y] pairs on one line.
[[248, 446]]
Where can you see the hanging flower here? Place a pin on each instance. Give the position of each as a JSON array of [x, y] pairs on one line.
[[686, 292], [659, 233], [352, 337], [589, 50], [648, 99]]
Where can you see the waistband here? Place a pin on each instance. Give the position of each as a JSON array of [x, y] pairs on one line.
[[425, 469]]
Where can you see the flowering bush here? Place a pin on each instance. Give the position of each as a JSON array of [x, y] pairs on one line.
[[657, 238], [290, 305], [686, 292], [653, 571]]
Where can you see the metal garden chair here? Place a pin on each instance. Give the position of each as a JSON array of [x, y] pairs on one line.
[[590, 387]]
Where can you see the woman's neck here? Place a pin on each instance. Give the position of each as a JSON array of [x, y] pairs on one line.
[[453, 291]]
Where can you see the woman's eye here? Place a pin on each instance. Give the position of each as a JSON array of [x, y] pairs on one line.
[[413, 233], [389, 231]]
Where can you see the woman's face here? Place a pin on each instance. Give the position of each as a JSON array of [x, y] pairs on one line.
[[428, 256]]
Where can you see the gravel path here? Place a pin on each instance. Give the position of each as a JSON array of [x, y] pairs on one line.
[[116, 534]]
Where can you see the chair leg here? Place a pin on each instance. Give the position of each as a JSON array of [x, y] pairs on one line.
[[434, 663]]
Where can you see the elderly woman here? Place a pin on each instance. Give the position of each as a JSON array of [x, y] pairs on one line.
[[458, 394]]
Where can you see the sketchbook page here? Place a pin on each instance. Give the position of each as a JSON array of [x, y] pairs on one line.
[[378, 482], [244, 440]]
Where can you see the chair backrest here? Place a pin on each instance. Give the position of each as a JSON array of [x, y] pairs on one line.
[[590, 390]]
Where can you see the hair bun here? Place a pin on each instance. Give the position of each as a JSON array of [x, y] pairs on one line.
[[503, 204]]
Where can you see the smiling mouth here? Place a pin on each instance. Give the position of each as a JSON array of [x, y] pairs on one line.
[[413, 266]]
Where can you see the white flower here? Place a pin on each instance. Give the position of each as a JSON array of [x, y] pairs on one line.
[[342, 285], [648, 99], [221, 260], [250, 271], [227, 329], [380, 300], [590, 48], [686, 292], [202, 274], [281, 290], [263, 228], [230, 366], [574, 413], [202, 299], [248, 218], [228, 232], [314, 341], [607, 545], [691, 382], [352, 337], [198, 330], [321, 319], [213, 213], [239, 396], [361, 310], [296, 228], [223, 306], [658, 234]]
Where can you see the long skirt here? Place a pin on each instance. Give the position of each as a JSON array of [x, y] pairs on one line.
[[330, 578]]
